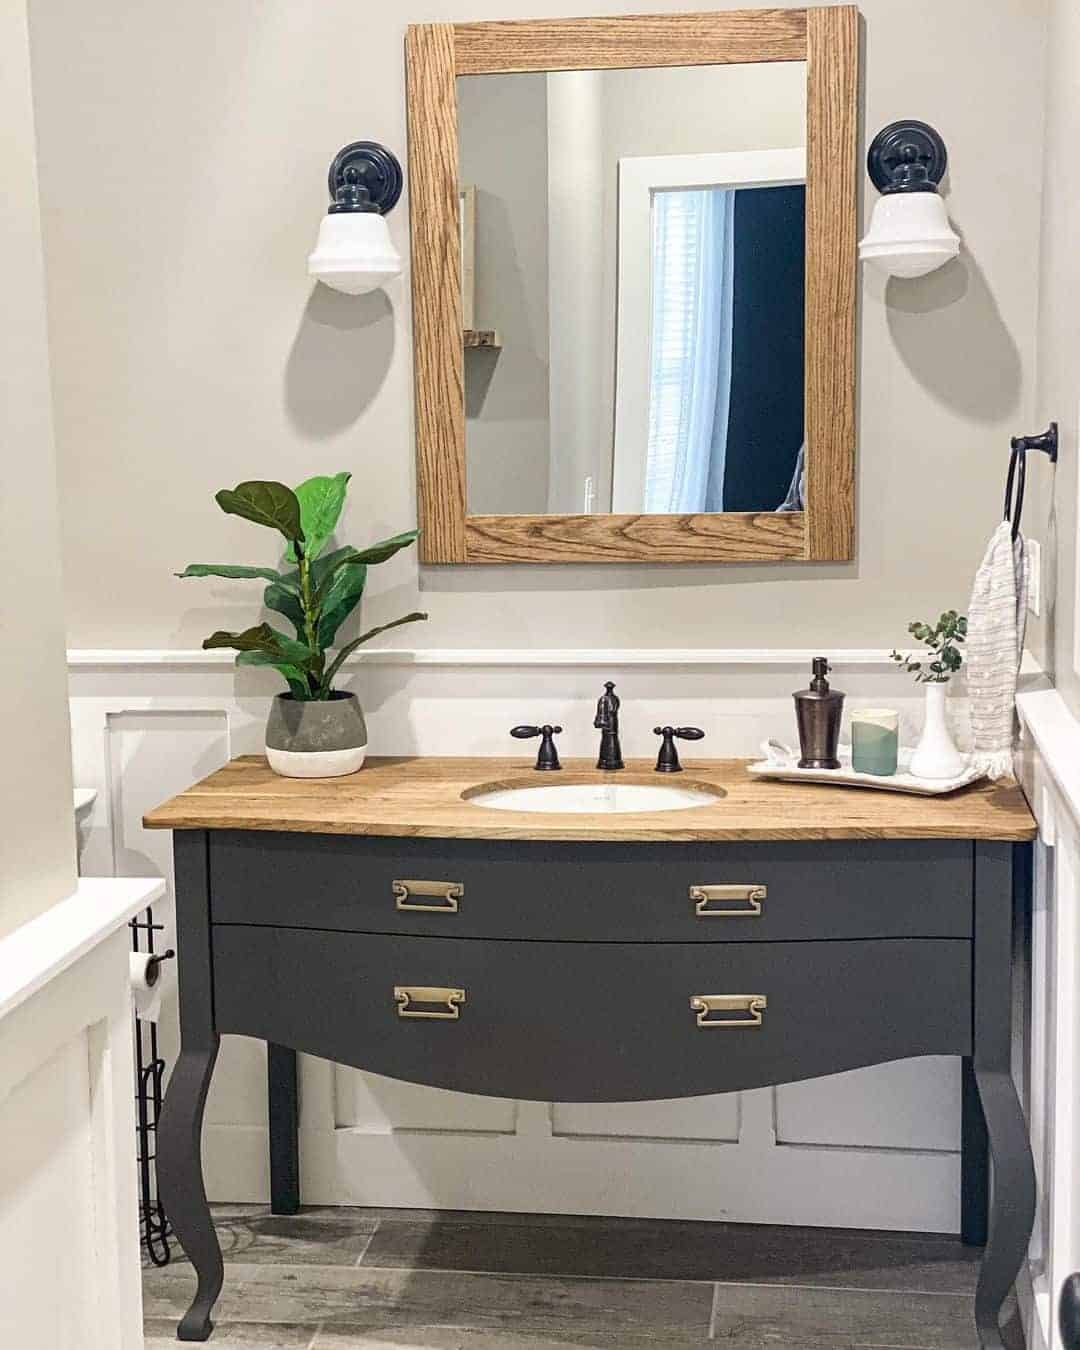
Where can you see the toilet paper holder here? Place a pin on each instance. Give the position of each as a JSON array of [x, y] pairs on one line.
[[153, 966]]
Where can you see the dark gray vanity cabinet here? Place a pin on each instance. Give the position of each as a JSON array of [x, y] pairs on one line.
[[599, 971]]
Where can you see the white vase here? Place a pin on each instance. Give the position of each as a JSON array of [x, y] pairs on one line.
[[936, 755]]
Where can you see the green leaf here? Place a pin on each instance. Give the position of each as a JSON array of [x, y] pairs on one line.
[[283, 597], [321, 499], [263, 638], [324, 568], [341, 598], [297, 680], [266, 503], [228, 570], [350, 647], [378, 553]]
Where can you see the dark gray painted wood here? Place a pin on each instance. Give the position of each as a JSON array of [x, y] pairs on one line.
[[588, 1018], [283, 1108], [594, 1022], [179, 1138], [1069, 1313], [596, 891], [974, 1160], [1012, 1210]]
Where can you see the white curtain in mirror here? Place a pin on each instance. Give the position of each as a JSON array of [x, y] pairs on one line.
[[690, 358]]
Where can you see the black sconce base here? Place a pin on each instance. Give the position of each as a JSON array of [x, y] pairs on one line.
[[369, 167], [907, 156]]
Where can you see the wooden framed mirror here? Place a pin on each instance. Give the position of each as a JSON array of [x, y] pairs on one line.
[[660, 362]]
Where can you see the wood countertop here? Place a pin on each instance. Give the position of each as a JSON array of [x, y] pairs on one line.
[[423, 798]]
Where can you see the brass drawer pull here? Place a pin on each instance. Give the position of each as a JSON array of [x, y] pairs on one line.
[[705, 1005], [448, 892], [711, 901], [406, 995]]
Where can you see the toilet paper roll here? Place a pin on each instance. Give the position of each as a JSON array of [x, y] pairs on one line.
[[146, 985]]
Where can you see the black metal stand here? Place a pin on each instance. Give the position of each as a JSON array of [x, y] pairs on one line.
[[154, 1230]]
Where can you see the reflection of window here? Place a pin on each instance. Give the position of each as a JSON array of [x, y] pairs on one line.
[[690, 356]]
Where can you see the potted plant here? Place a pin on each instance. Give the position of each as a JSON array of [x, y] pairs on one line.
[[314, 730], [936, 755]]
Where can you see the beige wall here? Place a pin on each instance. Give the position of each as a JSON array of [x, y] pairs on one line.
[[191, 350], [37, 837], [1051, 512]]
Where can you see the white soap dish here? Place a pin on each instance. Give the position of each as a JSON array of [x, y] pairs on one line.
[[782, 762]]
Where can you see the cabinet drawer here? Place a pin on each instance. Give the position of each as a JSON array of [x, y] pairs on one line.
[[594, 891], [593, 1021]]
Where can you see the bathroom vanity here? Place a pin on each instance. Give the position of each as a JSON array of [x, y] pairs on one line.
[[776, 932]]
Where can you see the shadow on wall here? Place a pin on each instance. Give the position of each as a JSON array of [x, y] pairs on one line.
[[338, 361], [932, 324]]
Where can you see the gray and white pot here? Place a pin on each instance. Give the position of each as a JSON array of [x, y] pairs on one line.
[[316, 739]]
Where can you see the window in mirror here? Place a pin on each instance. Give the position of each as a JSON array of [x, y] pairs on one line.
[[639, 246]]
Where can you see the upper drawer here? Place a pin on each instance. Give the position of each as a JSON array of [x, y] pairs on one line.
[[594, 892]]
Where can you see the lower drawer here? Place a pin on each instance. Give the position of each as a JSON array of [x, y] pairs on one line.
[[558, 1021]]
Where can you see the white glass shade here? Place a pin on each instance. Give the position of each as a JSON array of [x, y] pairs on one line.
[[909, 234], [354, 252]]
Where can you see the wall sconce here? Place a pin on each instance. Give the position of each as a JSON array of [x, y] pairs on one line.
[[910, 233], [354, 252]]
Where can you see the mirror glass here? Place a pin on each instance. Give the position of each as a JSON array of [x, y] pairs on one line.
[[633, 246]]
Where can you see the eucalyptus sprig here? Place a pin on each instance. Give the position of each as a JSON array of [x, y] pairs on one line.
[[943, 641], [316, 595]]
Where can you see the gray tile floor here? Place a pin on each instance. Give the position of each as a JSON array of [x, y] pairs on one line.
[[366, 1279]]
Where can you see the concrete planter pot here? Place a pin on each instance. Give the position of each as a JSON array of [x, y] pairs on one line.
[[324, 739]]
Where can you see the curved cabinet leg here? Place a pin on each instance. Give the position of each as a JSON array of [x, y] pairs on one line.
[[974, 1162], [180, 1179], [1069, 1313], [1012, 1205]]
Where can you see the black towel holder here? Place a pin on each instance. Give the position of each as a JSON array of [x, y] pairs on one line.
[[1047, 444]]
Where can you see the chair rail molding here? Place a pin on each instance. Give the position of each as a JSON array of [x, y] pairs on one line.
[[152, 658]]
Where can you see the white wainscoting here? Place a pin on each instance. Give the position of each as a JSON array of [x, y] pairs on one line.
[[68, 1210], [876, 1148], [1050, 770]]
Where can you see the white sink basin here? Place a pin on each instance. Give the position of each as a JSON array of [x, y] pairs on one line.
[[595, 798]]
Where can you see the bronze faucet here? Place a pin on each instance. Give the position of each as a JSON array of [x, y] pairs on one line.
[[607, 723]]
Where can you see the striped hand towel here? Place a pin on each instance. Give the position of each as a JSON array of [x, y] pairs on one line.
[[997, 618]]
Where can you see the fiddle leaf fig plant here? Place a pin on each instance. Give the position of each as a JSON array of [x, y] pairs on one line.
[[316, 592], [943, 641]]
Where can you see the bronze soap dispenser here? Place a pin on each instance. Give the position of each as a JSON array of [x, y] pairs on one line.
[[818, 711]]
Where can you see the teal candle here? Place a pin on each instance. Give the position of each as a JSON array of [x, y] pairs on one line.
[[875, 741]]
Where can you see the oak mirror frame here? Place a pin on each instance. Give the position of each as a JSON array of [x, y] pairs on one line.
[[826, 39]]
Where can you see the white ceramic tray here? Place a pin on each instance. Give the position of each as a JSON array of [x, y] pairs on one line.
[[782, 762]]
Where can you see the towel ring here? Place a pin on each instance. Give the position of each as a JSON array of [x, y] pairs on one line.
[[1046, 443]]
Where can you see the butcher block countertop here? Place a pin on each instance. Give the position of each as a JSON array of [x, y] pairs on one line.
[[425, 798]]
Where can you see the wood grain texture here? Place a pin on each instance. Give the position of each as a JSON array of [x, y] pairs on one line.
[[832, 114], [631, 40], [439, 357], [422, 798], [436, 53], [724, 537]]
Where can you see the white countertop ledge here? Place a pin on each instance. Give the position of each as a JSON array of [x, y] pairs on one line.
[[40, 950]]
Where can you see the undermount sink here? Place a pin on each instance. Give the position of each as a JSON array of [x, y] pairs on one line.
[[595, 798]]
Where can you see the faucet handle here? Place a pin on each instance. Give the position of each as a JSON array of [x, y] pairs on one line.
[[547, 756], [668, 759]]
